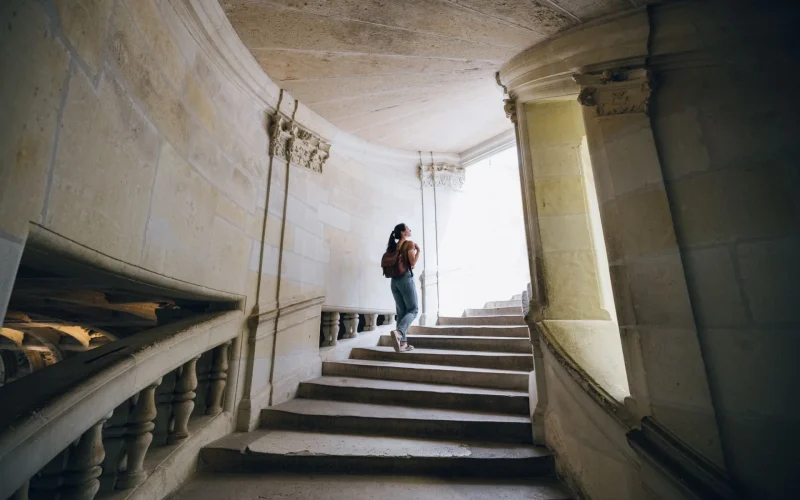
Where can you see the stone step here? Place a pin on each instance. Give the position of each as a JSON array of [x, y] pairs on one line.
[[398, 421], [494, 311], [517, 297], [475, 359], [502, 320], [270, 451], [503, 303], [464, 343], [471, 331], [452, 397], [428, 374]]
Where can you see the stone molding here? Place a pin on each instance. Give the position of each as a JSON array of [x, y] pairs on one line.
[[488, 148], [294, 144], [545, 70], [616, 91], [442, 175]]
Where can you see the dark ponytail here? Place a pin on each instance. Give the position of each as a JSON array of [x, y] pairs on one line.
[[396, 234]]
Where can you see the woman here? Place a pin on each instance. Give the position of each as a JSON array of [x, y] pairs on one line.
[[403, 290]]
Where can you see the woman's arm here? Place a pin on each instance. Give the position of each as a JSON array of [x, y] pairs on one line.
[[413, 254]]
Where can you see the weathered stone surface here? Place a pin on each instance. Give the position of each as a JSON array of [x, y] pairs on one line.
[[565, 232], [658, 292], [771, 279], [104, 170], [29, 107], [85, 23], [179, 231], [147, 80], [560, 196], [644, 223], [717, 298], [149, 18]]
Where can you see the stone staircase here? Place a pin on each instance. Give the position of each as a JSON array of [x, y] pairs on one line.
[[456, 406]]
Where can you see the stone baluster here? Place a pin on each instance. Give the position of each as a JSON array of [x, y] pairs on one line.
[[350, 321], [370, 321], [218, 378], [114, 446], [138, 436], [330, 328], [183, 401], [390, 318], [45, 485], [81, 476]]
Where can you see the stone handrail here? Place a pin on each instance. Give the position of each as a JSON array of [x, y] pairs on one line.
[[349, 317], [65, 430]]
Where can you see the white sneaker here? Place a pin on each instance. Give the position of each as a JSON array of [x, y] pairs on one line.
[[396, 336]]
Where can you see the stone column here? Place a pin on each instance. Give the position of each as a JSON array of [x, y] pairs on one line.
[[371, 320], [350, 321], [330, 328], [666, 372], [390, 318], [138, 436], [218, 378]]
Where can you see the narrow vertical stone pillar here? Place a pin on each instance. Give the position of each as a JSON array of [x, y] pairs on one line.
[[330, 328], [218, 378], [390, 318], [84, 465], [138, 436], [648, 279], [350, 325], [183, 401], [371, 321]]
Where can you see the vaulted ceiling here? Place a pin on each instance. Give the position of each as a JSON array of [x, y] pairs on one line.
[[408, 74]]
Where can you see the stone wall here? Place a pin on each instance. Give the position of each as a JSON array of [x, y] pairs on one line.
[[139, 129], [692, 137], [727, 139]]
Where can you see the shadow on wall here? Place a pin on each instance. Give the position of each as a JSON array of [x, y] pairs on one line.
[[483, 254]]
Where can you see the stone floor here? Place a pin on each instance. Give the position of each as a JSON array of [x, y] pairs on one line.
[[340, 487]]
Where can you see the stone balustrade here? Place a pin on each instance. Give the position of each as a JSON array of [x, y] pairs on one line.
[[335, 318], [85, 426]]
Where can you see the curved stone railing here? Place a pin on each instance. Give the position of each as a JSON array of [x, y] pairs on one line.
[[349, 316], [88, 425]]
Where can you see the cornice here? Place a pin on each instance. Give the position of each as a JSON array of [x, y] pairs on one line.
[[545, 70]]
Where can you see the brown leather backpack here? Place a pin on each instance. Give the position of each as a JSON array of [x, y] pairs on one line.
[[395, 264]]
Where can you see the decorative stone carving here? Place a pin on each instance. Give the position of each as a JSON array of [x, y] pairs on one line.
[[370, 321], [138, 436], [218, 377], [280, 134], [183, 401], [330, 328], [389, 318], [350, 321], [442, 175], [297, 145], [616, 92], [510, 107]]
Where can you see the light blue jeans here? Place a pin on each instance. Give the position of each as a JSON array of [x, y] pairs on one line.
[[405, 299]]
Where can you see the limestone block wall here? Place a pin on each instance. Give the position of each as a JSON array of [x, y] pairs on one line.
[[727, 139], [139, 130]]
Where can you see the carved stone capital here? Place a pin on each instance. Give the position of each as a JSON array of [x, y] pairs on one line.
[[442, 175], [297, 145], [616, 91], [510, 107]]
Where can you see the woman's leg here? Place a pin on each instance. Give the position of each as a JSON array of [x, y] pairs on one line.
[[400, 307], [409, 295]]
